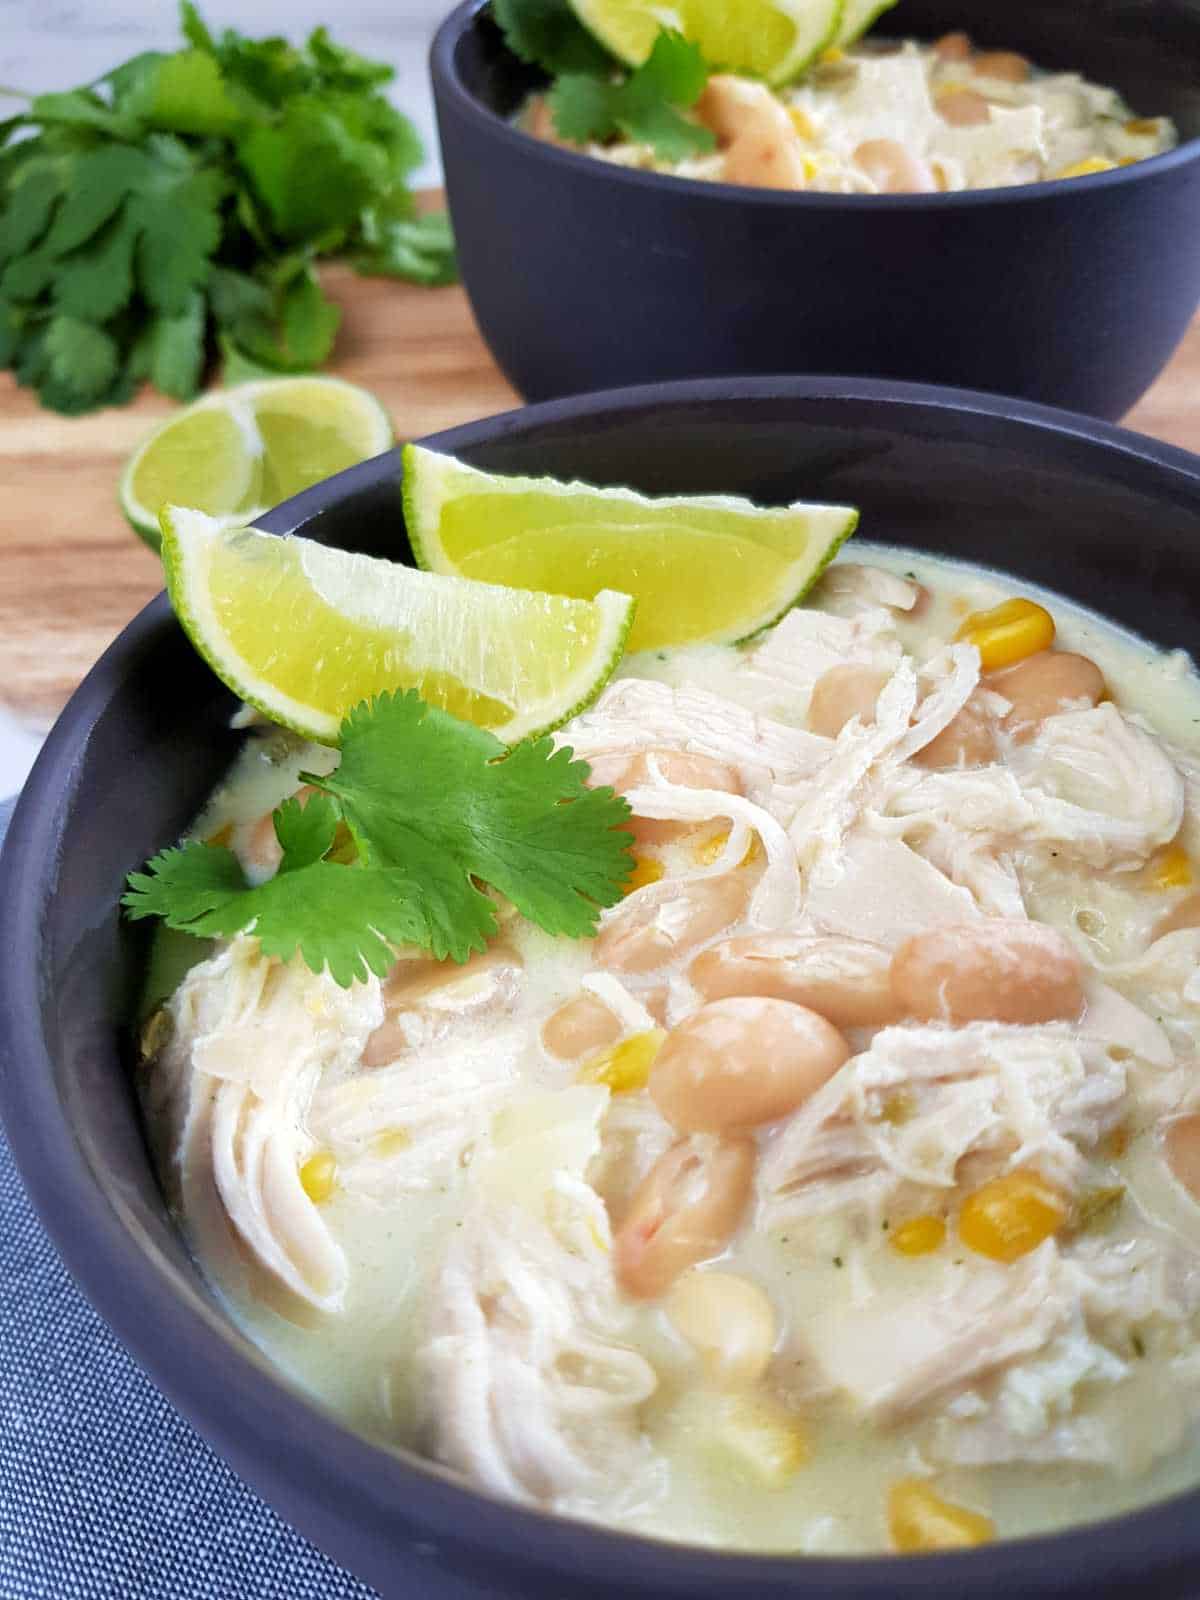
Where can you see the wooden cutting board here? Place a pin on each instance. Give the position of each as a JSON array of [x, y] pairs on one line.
[[72, 574]]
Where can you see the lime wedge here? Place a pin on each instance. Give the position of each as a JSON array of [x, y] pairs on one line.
[[237, 452], [771, 39], [304, 633], [714, 569], [858, 16]]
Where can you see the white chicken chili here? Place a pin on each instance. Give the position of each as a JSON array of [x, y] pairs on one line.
[[906, 118], [842, 1193]]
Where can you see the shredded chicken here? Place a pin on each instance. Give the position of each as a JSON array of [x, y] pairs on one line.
[[533, 1391], [413, 1125], [905, 1349], [920, 1099], [250, 1041]]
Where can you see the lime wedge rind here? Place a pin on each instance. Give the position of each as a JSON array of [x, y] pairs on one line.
[[713, 569], [214, 455], [534, 626], [858, 16], [810, 580]]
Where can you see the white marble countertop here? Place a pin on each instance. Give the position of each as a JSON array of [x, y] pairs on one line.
[[58, 44]]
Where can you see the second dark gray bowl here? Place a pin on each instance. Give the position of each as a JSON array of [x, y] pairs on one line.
[[584, 275]]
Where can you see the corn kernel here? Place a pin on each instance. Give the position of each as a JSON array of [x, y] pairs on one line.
[[1008, 633], [802, 122], [391, 1142], [1142, 127], [625, 1066], [1169, 868], [919, 1236], [1010, 1216], [1085, 168], [919, 1519], [318, 1175], [709, 850], [760, 1438], [646, 870]]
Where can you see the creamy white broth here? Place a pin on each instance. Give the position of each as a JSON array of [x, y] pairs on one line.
[[951, 118], [685, 1479]]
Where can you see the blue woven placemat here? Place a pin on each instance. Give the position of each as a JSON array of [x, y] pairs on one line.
[[106, 1493]]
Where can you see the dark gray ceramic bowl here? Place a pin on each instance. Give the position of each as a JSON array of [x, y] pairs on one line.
[[1108, 518], [584, 275]]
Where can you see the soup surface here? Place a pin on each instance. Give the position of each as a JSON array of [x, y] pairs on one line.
[[839, 1195], [906, 118]]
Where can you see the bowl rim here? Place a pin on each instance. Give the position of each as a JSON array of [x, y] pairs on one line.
[[446, 78], [346, 1481]]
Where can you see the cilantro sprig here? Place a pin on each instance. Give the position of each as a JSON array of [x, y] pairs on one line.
[[592, 97], [436, 809], [182, 202]]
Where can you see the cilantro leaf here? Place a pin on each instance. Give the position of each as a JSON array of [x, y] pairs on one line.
[[674, 72], [192, 26], [309, 322], [435, 808], [101, 181], [346, 69], [548, 34], [82, 360], [646, 107], [80, 108], [96, 281], [27, 210], [310, 170], [443, 801], [10, 331], [583, 108], [229, 160], [338, 917], [180, 225], [176, 350], [419, 249], [186, 93], [295, 331]]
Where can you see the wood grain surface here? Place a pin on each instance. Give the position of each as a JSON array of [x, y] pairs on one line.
[[72, 574]]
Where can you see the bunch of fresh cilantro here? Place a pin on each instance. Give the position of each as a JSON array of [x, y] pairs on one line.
[[183, 200], [593, 97], [436, 809]]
